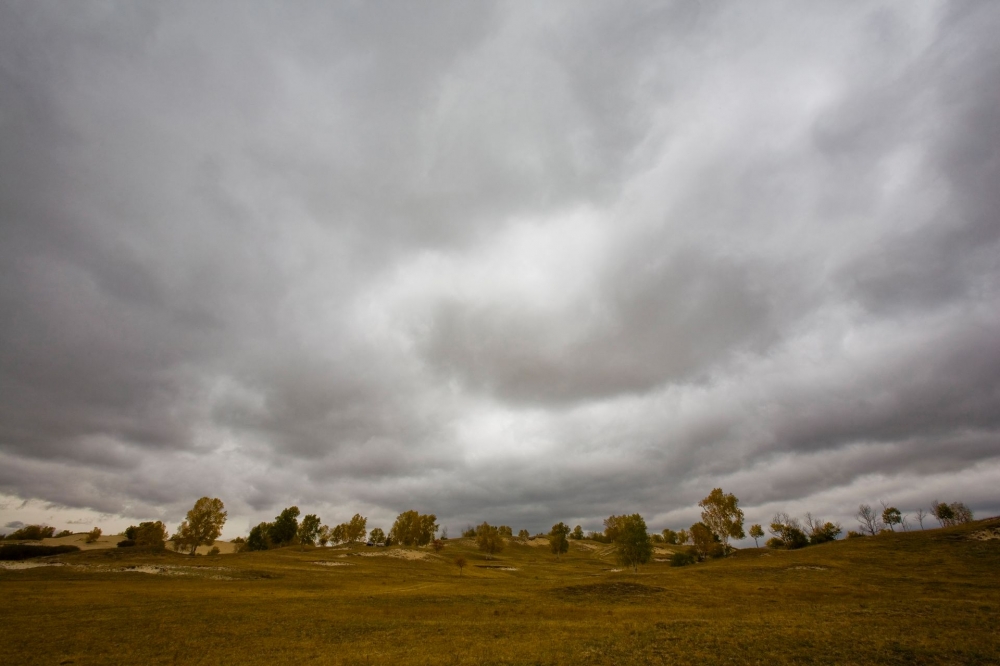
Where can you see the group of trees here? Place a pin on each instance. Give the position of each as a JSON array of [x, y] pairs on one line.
[[788, 533], [286, 530], [871, 522]]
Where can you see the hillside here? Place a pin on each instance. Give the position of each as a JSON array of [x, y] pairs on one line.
[[910, 598]]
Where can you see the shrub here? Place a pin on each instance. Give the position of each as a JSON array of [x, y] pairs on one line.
[[470, 532], [851, 534], [126, 543], [20, 551], [214, 551], [64, 533], [95, 534], [683, 558], [437, 545], [32, 533]]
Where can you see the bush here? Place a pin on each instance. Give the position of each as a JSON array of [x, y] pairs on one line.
[[95, 534], [64, 533], [32, 533], [10, 552], [126, 543], [683, 558], [214, 551], [851, 534]]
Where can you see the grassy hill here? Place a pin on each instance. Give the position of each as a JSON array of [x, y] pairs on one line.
[[911, 598]]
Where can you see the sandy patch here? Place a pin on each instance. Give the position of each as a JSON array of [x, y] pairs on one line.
[[334, 564], [170, 570], [13, 566], [807, 568], [398, 554], [537, 541], [986, 535]]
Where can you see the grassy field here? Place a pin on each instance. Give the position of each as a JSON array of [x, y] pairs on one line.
[[915, 598]]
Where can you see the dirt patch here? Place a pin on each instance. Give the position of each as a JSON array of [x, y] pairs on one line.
[[17, 565], [537, 541], [610, 590], [398, 554], [169, 570], [496, 567], [334, 564], [807, 568], [986, 535]]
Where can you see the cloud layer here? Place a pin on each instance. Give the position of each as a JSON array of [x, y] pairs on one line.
[[523, 264]]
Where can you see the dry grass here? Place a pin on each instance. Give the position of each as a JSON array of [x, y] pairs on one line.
[[918, 598]]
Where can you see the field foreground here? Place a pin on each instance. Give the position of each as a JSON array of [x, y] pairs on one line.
[[913, 598]]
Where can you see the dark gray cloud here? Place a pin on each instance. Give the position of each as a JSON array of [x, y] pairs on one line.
[[501, 262]]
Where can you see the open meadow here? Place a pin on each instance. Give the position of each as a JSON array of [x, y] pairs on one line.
[[923, 597]]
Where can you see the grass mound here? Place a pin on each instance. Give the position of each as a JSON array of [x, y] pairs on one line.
[[21, 551]]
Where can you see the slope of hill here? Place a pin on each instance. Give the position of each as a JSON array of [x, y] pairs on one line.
[[911, 598]]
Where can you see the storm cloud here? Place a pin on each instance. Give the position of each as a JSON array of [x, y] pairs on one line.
[[497, 261]]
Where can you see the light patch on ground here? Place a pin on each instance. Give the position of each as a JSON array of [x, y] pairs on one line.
[[334, 564], [14, 566], [170, 570], [399, 554], [807, 568], [986, 535], [537, 541]]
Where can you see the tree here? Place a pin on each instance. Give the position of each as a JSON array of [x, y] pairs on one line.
[[944, 513], [377, 536], [437, 545], [203, 525], [706, 542], [682, 537], [722, 515], [339, 533], [506, 531], [239, 544], [64, 533], [632, 543], [669, 536], [921, 514], [867, 519], [488, 539], [309, 530], [93, 535], [460, 563], [258, 538], [523, 535], [149, 534], [357, 528], [962, 513], [557, 539], [284, 529], [891, 516], [413, 529], [756, 531], [577, 533], [324, 535], [32, 533], [787, 532], [822, 533]]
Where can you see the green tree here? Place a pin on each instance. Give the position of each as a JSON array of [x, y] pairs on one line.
[[706, 542], [669, 536], [944, 513], [722, 514], [523, 535], [891, 516], [285, 528], [377, 536], [149, 534], [557, 539], [632, 543], [203, 525], [309, 530], [258, 539], [577, 533], [356, 528], [506, 531], [93, 535], [413, 529], [756, 531], [787, 533], [488, 539]]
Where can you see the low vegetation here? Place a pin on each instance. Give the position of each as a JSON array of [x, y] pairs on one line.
[[917, 597]]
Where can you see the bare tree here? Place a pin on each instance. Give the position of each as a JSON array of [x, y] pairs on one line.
[[867, 519], [921, 514]]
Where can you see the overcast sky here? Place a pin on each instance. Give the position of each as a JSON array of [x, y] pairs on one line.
[[516, 262]]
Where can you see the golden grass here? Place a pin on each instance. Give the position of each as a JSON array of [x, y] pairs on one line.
[[917, 598]]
